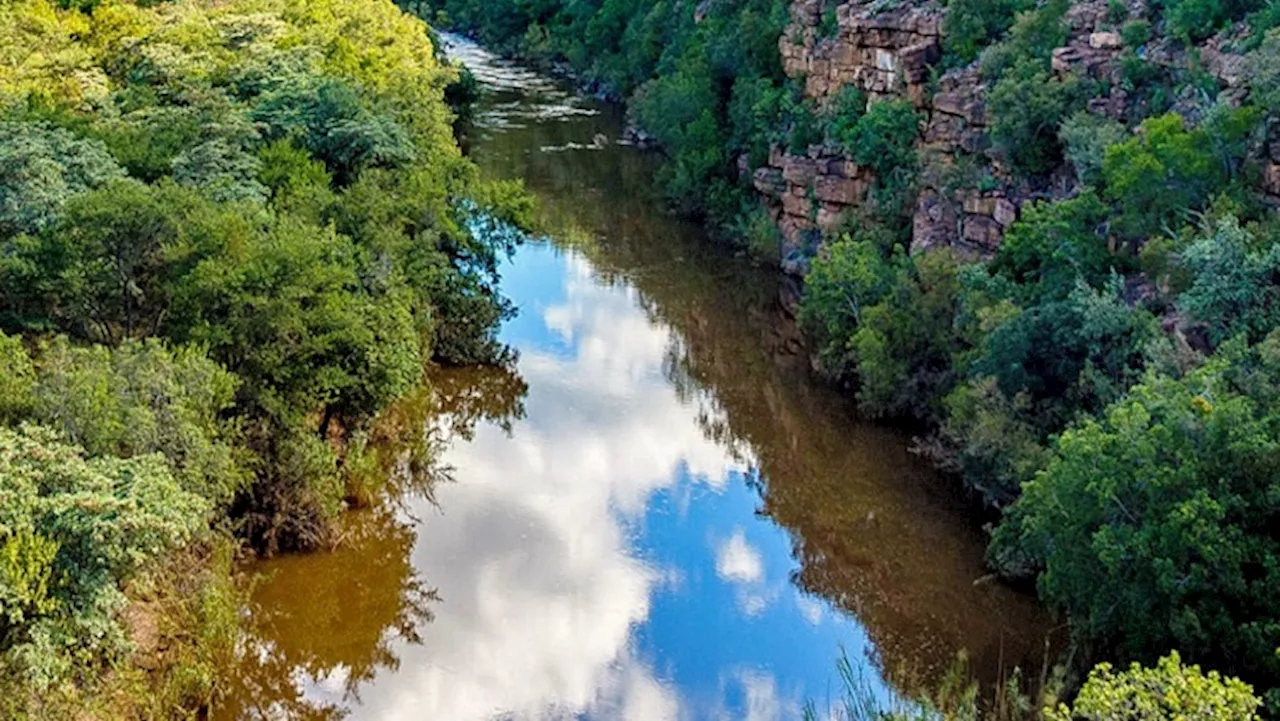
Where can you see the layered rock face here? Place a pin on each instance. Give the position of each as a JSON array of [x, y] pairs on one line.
[[885, 54], [967, 199]]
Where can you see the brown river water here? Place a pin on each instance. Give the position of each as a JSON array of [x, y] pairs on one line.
[[655, 513]]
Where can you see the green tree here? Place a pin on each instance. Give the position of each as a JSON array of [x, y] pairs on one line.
[[17, 379], [1055, 245], [143, 398], [109, 269], [973, 24], [1235, 286], [41, 168], [348, 132], [1154, 524], [222, 171], [1166, 171], [1086, 137], [1027, 107], [852, 276]]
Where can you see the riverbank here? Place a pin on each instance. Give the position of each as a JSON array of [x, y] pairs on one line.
[[231, 235]]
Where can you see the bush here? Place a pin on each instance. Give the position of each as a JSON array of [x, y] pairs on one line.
[[1170, 690], [851, 277], [1027, 107], [72, 530], [1056, 245], [1160, 175], [971, 25], [142, 398], [17, 379], [1233, 288], [42, 168], [1086, 137], [885, 322], [1029, 370], [1196, 20]]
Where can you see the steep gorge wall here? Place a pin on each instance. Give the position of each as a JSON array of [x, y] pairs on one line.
[[967, 197]]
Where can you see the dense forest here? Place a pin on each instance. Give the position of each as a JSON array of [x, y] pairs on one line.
[[1106, 381], [230, 234]]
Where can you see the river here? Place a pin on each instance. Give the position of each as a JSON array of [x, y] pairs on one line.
[[655, 513]]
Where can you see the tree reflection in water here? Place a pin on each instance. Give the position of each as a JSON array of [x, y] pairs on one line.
[[322, 625]]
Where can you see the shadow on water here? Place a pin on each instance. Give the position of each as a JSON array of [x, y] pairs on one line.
[[621, 504]]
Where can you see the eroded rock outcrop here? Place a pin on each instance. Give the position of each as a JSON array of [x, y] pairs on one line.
[[967, 197], [885, 53]]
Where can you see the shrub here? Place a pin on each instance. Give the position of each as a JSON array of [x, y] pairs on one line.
[[41, 169], [143, 398], [72, 530], [1170, 690], [1055, 245], [971, 25], [1086, 137], [1234, 287], [17, 379], [851, 277], [1027, 107], [1166, 170], [885, 322]]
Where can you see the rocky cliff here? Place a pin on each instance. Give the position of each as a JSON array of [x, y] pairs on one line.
[[967, 197]]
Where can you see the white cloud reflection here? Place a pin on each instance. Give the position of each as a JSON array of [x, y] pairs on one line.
[[540, 593], [737, 561]]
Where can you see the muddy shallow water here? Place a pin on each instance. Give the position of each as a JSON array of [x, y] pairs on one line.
[[654, 514]]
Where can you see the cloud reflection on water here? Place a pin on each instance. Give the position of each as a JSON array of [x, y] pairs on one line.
[[540, 589]]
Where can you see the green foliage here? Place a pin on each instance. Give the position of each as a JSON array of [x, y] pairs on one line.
[[336, 125], [1027, 105], [17, 379], [883, 139], [1264, 74], [1197, 20], [885, 322], [1154, 523], [1235, 287], [1166, 170], [760, 235], [1033, 36], [107, 271], [973, 24], [41, 168], [1135, 34], [904, 343], [1170, 690], [852, 276], [1085, 138], [143, 398], [223, 172], [995, 441], [1055, 245], [74, 529], [1031, 367]]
